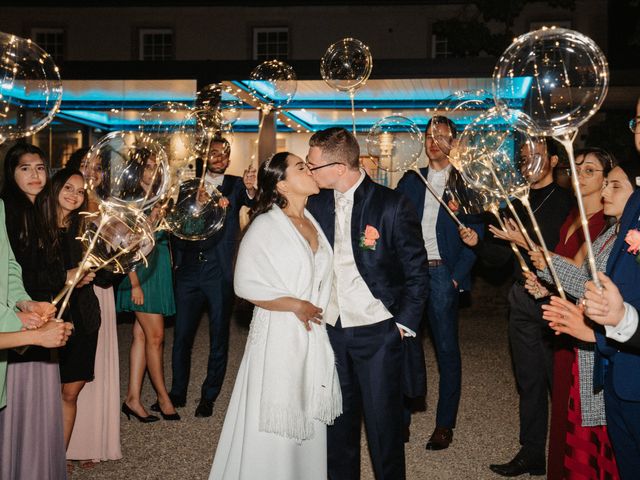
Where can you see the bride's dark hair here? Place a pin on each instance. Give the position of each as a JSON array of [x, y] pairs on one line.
[[269, 174]]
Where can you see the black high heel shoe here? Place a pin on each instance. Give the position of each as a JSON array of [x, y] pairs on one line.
[[156, 408], [128, 412]]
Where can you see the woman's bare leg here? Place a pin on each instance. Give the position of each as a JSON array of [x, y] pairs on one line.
[[137, 367], [70, 392], [153, 326]]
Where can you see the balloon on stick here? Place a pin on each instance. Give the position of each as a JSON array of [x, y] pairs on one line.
[[197, 213], [395, 143], [220, 97], [162, 123], [461, 108], [135, 171], [116, 237], [130, 175], [273, 84], [496, 153], [346, 67], [197, 209], [30, 88], [566, 77]]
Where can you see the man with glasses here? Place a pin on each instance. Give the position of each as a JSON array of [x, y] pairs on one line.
[[380, 286], [450, 263], [203, 276]]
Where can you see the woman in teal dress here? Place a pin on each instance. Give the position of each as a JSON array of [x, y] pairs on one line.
[[148, 291]]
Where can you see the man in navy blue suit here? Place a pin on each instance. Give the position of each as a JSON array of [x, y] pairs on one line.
[[450, 263], [204, 275], [379, 291]]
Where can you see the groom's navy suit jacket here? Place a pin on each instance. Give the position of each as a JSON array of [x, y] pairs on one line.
[[625, 273], [396, 272]]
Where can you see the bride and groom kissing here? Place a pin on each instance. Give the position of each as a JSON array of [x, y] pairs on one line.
[[337, 270]]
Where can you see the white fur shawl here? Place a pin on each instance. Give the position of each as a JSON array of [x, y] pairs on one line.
[[300, 381]]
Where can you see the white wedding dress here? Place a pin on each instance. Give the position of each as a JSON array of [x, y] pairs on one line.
[[245, 451]]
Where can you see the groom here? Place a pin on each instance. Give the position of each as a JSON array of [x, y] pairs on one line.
[[379, 292]]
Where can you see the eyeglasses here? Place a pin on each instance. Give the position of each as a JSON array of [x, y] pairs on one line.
[[313, 169], [586, 172], [633, 125]]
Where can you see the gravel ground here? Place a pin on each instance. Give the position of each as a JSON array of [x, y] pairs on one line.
[[487, 421]]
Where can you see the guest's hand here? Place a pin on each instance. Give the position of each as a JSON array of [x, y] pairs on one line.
[[511, 233], [538, 260], [604, 306], [46, 310], [469, 236], [137, 295], [566, 317], [534, 287], [203, 196], [30, 320], [85, 280], [53, 334], [307, 312]]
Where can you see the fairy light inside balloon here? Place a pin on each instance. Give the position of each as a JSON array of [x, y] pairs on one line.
[[30, 90], [581, 80]]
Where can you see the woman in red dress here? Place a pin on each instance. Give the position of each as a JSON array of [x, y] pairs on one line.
[[577, 452]]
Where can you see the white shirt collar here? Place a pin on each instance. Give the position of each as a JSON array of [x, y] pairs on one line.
[[348, 195], [444, 171]]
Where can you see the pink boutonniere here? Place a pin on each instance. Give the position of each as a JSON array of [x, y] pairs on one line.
[[369, 238], [633, 239]]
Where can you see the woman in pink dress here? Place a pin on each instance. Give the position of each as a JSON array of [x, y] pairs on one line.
[[96, 433]]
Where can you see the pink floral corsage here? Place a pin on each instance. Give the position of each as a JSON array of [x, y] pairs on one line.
[[633, 239], [369, 238]]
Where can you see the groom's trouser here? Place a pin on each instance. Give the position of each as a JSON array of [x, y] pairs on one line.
[[369, 363]]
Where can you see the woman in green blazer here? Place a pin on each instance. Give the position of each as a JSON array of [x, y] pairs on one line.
[[22, 321]]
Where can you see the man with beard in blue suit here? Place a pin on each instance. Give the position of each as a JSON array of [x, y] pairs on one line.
[[380, 287], [204, 276], [450, 264]]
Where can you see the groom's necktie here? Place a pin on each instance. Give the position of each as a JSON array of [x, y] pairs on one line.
[[342, 213]]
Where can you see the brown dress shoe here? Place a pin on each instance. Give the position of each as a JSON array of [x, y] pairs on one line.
[[440, 439]]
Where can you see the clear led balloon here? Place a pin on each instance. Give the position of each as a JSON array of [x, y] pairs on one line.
[[346, 65], [134, 171], [496, 154], [162, 123], [221, 97], [30, 88], [461, 108], [566, 79], [201, 128], [558, 77], [116, 239], [198, 212], [273, 83], [395, 143], [464, 198], [163, 118]]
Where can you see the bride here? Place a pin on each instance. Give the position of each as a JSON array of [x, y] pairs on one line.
[[287, 388]]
